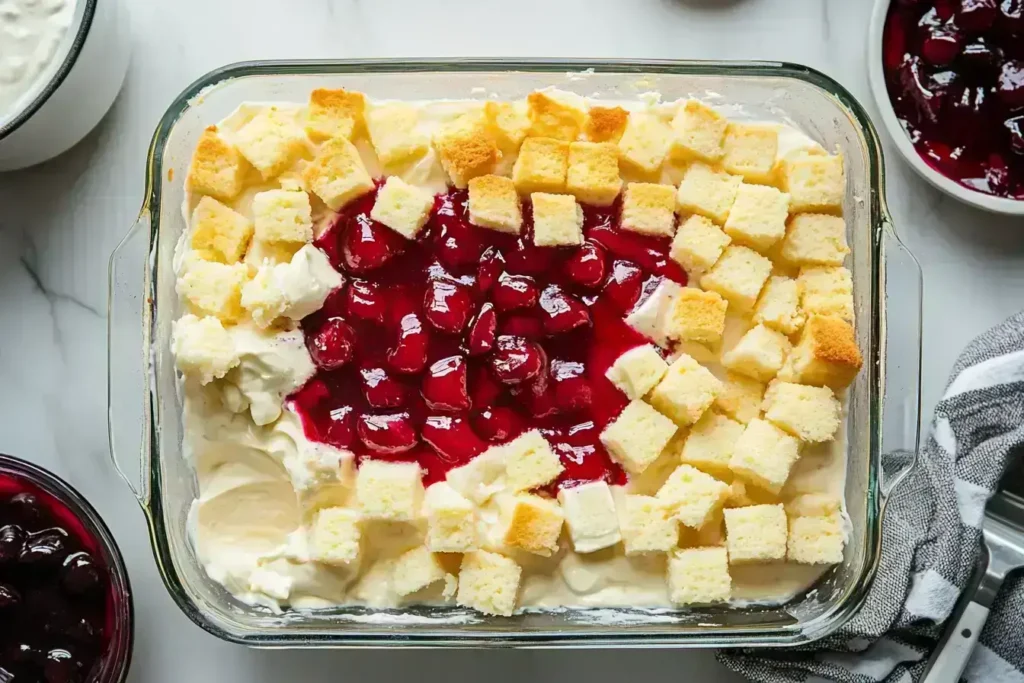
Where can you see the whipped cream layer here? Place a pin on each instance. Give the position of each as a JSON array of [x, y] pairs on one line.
[[261, 481]]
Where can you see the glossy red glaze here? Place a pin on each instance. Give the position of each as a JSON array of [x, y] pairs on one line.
[[467, 337], [955, 75]]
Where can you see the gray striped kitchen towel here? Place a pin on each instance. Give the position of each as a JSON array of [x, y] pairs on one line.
[[931, 540]]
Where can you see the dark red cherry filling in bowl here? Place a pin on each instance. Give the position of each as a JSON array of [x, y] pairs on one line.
[[435, 349], [954, 70], [65, 602]]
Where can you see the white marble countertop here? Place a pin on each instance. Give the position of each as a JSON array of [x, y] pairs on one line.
[[60, 221]]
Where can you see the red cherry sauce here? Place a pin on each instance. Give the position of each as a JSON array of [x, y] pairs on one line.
[[467, 337], [954, 70], [56, 603]]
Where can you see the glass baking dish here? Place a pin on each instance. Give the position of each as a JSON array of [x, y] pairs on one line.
[[886, 393]]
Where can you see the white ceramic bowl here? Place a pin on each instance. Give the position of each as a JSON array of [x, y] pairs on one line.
[[876, 77], [76, 90]]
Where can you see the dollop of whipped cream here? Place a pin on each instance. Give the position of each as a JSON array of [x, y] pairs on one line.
[[290, 290]]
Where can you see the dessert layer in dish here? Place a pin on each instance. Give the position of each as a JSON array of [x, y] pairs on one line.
[[556, 352]]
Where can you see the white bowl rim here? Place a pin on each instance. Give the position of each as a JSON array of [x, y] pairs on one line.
[[876, 79]]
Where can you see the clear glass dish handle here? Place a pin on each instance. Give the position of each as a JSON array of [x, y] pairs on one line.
[[128, 324], [901, 344]]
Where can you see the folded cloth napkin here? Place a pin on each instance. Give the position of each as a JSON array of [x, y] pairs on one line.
[[931, 539]]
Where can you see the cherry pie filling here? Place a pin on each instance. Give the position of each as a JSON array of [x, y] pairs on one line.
[[56, 618], [955, 74], [435, 349]]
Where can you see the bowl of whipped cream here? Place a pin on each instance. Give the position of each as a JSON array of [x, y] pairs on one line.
[[62, 63]]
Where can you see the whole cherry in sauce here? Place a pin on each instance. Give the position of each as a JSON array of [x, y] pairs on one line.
[[466, 337], [955, 74], [55, 619]]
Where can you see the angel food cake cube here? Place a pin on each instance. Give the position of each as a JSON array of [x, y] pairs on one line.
[[451, 520], [759, 354], [415, 570], [750, 151], [591, 516], [637, 371], [816, 531], [764, 455], [827, 354], [605, 124], [467, 148], [532, 524], [698, 244], [697, 316], [738, 276], [686, 391], [271, 141], [394, 132], [542, 166], [593, 173], [815, 239], [217, 168], [336, 535], [647, 526], [644, 143], [218, 232], [637, 436], [557, 220], [389, 490], [554, 117], [707, 192], [758, 216], [282, 216], [402, 207], [214, 289], [488, 583], [756, 534], [699, 576], [649, 209], [815, 182], [711, 442], [337, 174], [530, 462], [809, 413], [740, 397], [778, 307], [509, 123], [827, 290], [699, 133], [334, 114], [203, 349], [494, 203], [692, 496]]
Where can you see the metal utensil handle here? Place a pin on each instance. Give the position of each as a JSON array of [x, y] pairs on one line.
[[952, 659], [128, 299]]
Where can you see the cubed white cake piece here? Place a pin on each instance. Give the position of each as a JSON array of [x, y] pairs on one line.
[[532, 524], [699, 133], [467, 148], [637, 371], [282, 216], [764, 455], [815, 182], [509, 123], [758, 217], [816, 540], [590, 515], [686, 391], [530, 462], [402, 207], [335, 539], [692, 496], [738, 276], [637, 436], [697, 316], [750, 151], [202, 348], [648, 526], [649, 209], [593, 173], [214, 289], [809, 413], [272, 142], [778, 307], [644, 143], [560, 116], [756, 533], [827, 290], [541, 166], [389, 490], [605, 124], [217, 169], [557, 220], [740, 398], [698, 244], [826, 355], [707, 192], [218, 232], [488, 583], [337, 174], [481, 477], [451, 520], [699, 576], [815, 239], [494, 203], [711, 442], [334, 114], [395, 134], [415, 570], [758, 354]]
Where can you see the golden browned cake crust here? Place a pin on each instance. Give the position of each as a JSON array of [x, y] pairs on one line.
[[605, 124], [834, 341]]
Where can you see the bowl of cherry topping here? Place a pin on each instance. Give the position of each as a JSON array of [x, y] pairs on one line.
[[948, 77], [65, 600]]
